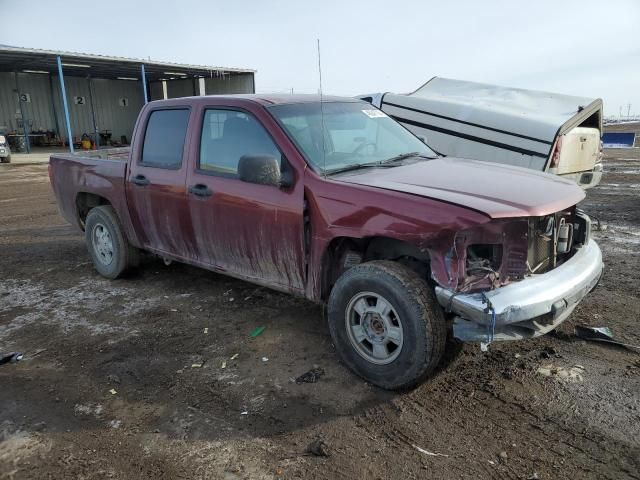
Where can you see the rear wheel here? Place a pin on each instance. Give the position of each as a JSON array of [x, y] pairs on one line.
[[386, 324], [109, 248]]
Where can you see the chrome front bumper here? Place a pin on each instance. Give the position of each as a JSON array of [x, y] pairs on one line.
[[528, 308]]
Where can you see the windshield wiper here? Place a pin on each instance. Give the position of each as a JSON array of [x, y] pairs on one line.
[[388, 163], [358, 166], [404, 156]]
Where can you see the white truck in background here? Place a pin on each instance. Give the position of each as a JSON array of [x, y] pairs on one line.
[[5, 151], [549, 132]]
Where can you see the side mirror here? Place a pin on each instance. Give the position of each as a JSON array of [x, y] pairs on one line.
[[286, 177], [260, 169]]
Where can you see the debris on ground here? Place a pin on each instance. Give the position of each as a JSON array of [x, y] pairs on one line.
[[312, 376], [224, 365], [427, 452], [112, 391], [234, 356], [196, 365], [12, 357], [206, 330], [589, 333], [257, 332], [319, 448], [601, 334], [549, 352], [265, 359], [569, 375]]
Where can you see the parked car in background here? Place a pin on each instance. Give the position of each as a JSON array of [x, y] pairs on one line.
[[548, 132], [5, 151], [337, 202]]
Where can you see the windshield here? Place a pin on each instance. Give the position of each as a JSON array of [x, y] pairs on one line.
[[355, 133]]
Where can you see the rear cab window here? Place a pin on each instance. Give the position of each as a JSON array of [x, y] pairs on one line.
[[164, 138]]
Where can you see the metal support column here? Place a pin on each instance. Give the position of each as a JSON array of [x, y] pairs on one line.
[[63, 92], [25, 120], [144, 84], [93, 112], [53, 106]]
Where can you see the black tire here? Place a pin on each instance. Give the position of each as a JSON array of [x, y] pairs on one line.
[[123, 257], [424, 330], [5, 159]]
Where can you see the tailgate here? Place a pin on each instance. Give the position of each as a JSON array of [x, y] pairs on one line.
[[579, 150]]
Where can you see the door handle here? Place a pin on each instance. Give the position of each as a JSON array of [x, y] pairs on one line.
[[200, 190], [141, 180]]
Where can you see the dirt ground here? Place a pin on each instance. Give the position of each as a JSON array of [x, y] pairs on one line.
[[157, 376]]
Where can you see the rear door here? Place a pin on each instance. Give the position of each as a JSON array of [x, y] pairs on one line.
[[156, 183], [248, 230]]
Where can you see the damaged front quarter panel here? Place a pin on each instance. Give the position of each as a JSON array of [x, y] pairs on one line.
[[483, 257], [522, 284]]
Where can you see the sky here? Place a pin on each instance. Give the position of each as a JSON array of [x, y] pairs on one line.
[[586, 48]]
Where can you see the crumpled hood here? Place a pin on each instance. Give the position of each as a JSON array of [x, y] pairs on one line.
[[500, 191]]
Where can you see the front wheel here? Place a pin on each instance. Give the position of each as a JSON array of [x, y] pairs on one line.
[[386, 324], [108, 246]]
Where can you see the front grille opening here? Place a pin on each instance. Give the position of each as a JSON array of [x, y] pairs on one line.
[[483, 259], [541, 244], [551, 241]]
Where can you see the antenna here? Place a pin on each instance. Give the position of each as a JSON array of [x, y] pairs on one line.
[[324, 151]]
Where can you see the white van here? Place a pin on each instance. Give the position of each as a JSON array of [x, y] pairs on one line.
[[5, 151], [543, 131]]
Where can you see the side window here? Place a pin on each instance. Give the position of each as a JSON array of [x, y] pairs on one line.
[[164, 138], [228, 135]]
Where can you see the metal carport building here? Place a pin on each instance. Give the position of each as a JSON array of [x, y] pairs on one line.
[[48, 96]]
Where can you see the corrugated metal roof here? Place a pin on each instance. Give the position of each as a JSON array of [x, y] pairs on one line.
[[104, 66]]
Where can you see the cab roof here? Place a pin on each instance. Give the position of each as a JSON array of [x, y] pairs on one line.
[[266, 100]]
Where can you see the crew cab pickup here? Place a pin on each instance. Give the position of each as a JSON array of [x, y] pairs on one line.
[[332, 200]]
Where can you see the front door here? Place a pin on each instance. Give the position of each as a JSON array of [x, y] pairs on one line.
[[248, 230], [156, 184]]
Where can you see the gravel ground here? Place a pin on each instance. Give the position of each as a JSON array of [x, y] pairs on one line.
[[157, 376]]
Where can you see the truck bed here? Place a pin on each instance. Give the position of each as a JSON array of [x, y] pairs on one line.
[[120, 153], [95, 172]]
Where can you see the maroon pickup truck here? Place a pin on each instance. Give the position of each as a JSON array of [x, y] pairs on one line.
[[334, 201]]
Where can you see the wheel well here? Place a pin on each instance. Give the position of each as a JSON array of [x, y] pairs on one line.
[[85, 202], [345, 252]]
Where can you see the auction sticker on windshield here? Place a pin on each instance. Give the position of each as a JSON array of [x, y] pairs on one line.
[[374, 113]]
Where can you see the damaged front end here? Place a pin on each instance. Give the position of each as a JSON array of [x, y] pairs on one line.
[[511, 279]]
